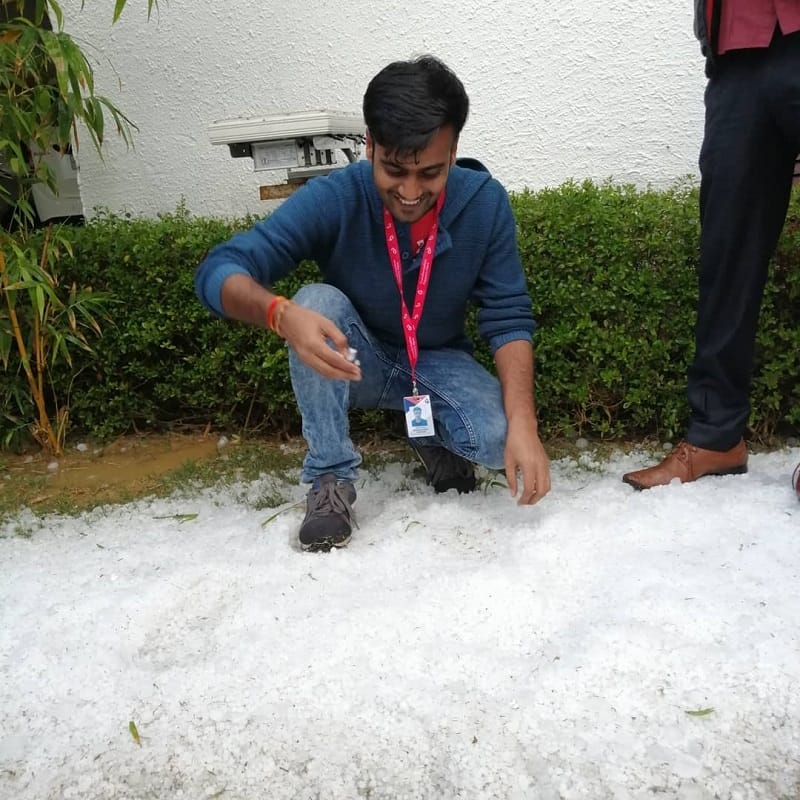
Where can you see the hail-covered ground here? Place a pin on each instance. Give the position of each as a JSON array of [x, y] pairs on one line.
[[602, 644]]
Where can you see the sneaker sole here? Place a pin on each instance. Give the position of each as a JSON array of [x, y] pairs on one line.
[[323, 545], [461, 486]]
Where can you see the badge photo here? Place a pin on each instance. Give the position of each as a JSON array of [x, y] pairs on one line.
[[419, 415]]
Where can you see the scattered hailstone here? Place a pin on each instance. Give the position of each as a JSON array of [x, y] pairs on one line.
[[52, 466], [81, 447], [666, 446], [222, 442], [581, 443]]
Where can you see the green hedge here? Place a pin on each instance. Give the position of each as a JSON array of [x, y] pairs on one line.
[[163, 361], [612, 272], [613, 280]]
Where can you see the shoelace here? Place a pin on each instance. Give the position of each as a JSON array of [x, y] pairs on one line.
[[330, 499], [682, 451]]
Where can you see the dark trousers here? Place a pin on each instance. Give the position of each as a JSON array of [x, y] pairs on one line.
[[751, 141]]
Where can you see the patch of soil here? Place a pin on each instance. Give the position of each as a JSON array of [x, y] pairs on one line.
[[130, 464]]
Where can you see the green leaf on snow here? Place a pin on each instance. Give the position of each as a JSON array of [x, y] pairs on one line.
[[179, 517], [134, 733]]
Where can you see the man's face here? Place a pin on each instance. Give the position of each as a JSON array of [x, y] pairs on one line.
[[410, 186]]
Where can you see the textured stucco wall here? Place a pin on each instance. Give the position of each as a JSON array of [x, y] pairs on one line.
[[575, 89]]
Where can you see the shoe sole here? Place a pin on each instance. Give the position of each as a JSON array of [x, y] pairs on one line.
[[741, 470], [460, 486], [323, 545]]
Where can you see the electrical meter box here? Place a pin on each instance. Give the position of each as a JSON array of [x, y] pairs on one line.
[[298, 145]]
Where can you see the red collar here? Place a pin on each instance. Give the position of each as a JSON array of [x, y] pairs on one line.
[[421, 228]]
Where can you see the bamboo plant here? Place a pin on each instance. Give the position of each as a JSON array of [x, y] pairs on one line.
[[47, 89]]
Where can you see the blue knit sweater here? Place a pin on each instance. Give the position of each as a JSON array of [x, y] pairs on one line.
[[337, 221]]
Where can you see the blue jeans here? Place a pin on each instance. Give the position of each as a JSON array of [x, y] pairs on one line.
[[466, 399]]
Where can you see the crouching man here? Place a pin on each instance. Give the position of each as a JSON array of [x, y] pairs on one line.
[[404, 240]]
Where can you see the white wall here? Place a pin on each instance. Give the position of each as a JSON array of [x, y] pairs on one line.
[[574, 89]]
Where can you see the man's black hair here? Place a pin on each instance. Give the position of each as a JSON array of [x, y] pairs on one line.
[[407, 102]]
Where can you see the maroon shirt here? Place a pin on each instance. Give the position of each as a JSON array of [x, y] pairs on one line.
[[751, 23]]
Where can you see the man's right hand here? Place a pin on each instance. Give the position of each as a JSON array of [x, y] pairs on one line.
[[311, 335]]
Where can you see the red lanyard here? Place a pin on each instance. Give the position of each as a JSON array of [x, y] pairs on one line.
[[411, 321]]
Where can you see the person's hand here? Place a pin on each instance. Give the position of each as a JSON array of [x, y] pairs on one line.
[[311, 335], [526, 456]]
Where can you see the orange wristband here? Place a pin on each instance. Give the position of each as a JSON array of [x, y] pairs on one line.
[[273, 304], [278, 316]]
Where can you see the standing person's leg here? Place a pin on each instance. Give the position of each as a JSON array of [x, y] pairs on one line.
[[746, 167], [785, 92], [786, 104]]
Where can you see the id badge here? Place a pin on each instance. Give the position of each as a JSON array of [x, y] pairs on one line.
[[419, 416]]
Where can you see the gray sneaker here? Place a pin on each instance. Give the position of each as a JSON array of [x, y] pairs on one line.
[[329, 514], [445, 470]]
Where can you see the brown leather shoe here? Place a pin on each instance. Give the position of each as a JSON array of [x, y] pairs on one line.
[[688, 463]]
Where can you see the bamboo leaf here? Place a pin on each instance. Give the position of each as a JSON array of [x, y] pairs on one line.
[[134, 733], [78, 71], [55, 10], [59, 345], [179, 517], [52, 47], [8, 37], [118, 8], [281, 511], [15, 150], [39, 304], [6, 340], [41, 101]]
